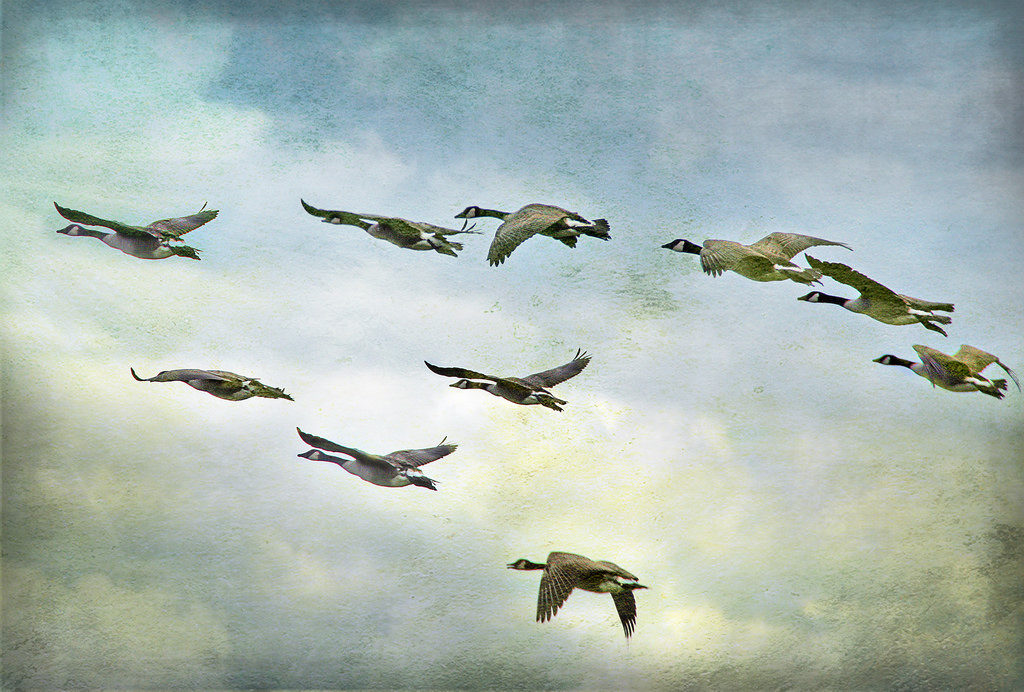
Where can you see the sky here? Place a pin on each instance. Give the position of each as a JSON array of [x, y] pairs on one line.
[[803, 517]]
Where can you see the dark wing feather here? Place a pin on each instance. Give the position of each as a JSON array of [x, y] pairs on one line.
[[790, 244], [460, 372], [626, 605], [866, 286], [181, 225], [938, 365], [549, 378], [562, 573], [81, 217], [321, 443], [520, 226], [344, 217], [419, 457]]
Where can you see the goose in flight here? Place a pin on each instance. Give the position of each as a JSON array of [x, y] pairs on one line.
[[220, 383], [147, 242], [769, 259], [877, 301], [411, 235], [564, 572], [531, 220], [960, 372], [394, 470], [532, 389]]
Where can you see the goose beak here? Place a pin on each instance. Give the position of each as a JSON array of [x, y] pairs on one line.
[[668, 246]]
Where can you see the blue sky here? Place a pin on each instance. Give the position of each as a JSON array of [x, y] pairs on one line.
[[804, 517]]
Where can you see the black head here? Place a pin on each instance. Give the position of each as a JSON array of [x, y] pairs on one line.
[[468, 213], [73, 229], [887, 359], [314, 455], [683, 245], [524, 564], [812, 297]]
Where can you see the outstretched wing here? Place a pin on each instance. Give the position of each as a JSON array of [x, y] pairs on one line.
[[626, 605], [460, 372], [321, 443], [419, 457], [562, 573], [790, 244], [184, 375], [341, 217], [977, 360], [718, 256], [181, 225], [520, 226], [876, 293], [549, 378], [939, 365], [89, 220]]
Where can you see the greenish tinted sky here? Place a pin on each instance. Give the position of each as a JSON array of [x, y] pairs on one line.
[[804, 517]]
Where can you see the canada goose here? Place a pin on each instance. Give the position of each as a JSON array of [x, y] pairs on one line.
[[393, 470], [533, 219], [220, 383], [147, 242], [567, 571], [769, 259], [531, 389], [960, 372], [877, 301], [411, 235]]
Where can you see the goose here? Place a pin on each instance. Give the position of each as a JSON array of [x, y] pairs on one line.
[[564, 572], [531, 389], [768, 259], [534, 219], [877, 301], [219, 383], [394, 470], [960, 372], [411, 235], [146, 242]]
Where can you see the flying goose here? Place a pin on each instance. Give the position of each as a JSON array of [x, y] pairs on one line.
[[877, 301], [220, 383], [147, 242], [531, 389], [769, 259], [412, 235], [393, 470], [534, 219], [960, 372], [564, 572]]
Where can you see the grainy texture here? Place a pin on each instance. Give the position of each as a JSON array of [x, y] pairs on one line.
[[804, 518]]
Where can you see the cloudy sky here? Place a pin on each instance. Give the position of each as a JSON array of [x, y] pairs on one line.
[[804, 517]]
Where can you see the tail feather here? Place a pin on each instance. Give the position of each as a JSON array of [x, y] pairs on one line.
[[184, 251], [599, 229], [422, 481]]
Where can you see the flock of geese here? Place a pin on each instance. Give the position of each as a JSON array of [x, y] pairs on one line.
[[768, 259]]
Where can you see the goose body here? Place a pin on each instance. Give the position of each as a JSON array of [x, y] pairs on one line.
[[411, 235], [220, 383], [532, 389], [877, 301], [394, 470], [158, 240], [769, 259], [564, 572], [960, 372], [531, 220]]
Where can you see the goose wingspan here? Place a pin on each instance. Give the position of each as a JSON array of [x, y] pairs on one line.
[[938, 365], [870, 289], [625, 604], [718, 256], [322, 443], [789, 245], [520, 226], [186, 374], [977, 360], [560, 576], [81, 217], [549, 378], [419, 457], [460, 372], [180, 225]]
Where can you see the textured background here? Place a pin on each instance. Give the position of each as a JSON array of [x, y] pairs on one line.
[[804, 517]]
